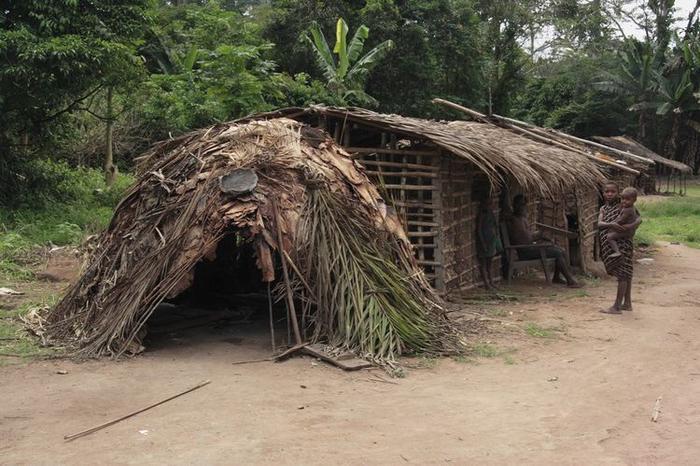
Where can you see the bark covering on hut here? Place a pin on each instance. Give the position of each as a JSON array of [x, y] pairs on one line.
[[354, 271]]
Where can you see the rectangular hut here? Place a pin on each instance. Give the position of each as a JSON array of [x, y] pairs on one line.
[[669, 176], [434, 173], [571, 219]]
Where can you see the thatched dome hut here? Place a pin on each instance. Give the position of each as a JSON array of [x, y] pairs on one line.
[[349, 263]]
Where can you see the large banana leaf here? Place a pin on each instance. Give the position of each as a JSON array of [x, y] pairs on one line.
[[341, 47], [365, 64], [357, 43], [324, 57], [190, 59]]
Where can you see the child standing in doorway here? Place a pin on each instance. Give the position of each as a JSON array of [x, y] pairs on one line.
[[488, 240]]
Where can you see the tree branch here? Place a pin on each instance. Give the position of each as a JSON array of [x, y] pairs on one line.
[[691, 19], [617, 23], [72, 106]]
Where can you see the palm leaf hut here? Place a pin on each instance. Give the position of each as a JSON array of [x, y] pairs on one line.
[[234, 207], [433, 173], [669, 176]]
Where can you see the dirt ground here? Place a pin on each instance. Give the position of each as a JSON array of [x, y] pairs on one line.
[[565, 385]]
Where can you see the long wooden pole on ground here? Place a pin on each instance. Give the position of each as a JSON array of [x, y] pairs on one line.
[[546, 139], [112, 422]]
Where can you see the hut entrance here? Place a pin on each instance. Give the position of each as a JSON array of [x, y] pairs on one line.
[[226, 301]]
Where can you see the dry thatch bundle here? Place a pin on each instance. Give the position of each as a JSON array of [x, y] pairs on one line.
[[354, 271], [499, 153]]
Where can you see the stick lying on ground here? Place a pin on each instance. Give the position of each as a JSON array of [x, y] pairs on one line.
[[656, 411], [107, 424]]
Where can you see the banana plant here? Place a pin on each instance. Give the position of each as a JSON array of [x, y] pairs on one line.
[[344, 68]]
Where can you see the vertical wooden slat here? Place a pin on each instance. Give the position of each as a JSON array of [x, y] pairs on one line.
[[438, 217]]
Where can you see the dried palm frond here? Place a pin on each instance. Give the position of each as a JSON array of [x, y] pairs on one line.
[[365, 297]]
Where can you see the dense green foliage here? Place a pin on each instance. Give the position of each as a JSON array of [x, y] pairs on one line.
[[80, 76], [63, 206]]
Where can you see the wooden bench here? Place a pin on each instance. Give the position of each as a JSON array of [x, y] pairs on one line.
[[515, 264]]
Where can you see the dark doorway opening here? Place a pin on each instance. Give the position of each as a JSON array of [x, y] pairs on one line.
[[227, 302]]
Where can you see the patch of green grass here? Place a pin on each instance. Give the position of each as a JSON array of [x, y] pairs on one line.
[[462, 359], [16, 345], [509, 360], [537, 331], [674, 219], [498, 312], [579, 294], [427, 362], [11, 271], [80, 205], [485, 350], [592, 281]]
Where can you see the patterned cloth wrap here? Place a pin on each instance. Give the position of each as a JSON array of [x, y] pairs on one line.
[[619, 267]]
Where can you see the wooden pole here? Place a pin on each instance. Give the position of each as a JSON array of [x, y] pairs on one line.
[[534, 135], [586, 142], [285, 273], [109, 167], [132, 414], [272, 322]]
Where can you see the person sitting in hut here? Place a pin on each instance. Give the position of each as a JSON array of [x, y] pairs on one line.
[[520, 234], [488, 241]]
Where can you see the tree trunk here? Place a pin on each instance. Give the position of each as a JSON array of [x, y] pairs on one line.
[[642, 127], [692, 151], [672, 142], [110, 168]]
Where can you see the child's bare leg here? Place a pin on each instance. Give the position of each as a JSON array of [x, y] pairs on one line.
[[627, 301], [613, 245]]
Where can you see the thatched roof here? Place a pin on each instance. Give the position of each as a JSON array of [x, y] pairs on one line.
[[607, 157], [309, 191], [628, 144], [498, 152]]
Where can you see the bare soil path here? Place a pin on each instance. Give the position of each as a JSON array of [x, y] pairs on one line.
[[570, 386]]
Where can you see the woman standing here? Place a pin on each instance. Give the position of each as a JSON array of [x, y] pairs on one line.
[[488, 240], [620, 267]]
